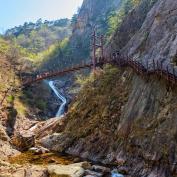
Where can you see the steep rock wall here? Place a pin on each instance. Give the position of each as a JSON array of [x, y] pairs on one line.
[[131, 25], [157, 37], [126, 120], [93, 13]]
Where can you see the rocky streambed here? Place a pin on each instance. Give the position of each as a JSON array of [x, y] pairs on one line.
[[54, 165], [36, 161]]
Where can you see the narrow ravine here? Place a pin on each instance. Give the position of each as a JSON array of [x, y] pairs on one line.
[[55, 158], [61, 110]]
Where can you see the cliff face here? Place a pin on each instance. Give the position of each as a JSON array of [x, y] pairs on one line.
[[131, 24], [93, 13], [156, 37], [123, 118]]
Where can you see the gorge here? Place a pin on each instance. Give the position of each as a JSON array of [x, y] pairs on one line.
[[120, 120]]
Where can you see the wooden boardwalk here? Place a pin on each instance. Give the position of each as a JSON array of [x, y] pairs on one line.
[[49, 74], [154, 68]]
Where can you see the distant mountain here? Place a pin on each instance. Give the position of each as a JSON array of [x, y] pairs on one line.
[[38, 36]]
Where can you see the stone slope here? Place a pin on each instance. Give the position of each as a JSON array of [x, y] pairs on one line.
[[131, 24], [157, 37], [126, 120]]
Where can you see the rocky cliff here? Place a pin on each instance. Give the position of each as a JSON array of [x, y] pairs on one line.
[[155, 35], [93, 14], [125, 120]]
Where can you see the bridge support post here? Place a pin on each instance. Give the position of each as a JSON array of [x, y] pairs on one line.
[[96, 46], [102, 49], [94, 50]]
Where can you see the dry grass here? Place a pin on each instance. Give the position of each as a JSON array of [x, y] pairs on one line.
[[98, 106]]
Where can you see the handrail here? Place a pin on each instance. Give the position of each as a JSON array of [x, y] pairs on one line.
[[121, 61], [50, 74], [141, 69]]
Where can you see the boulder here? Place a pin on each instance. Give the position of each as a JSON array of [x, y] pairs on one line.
[[66, 170], [23, 141], [38, 150], [93, 173], [102, 169]]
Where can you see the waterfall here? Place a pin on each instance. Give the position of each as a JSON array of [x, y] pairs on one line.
[[61, 97]]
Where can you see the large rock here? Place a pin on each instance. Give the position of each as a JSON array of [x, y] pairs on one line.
[[42, 129], [23, 141], [66, 170], [102, 169]]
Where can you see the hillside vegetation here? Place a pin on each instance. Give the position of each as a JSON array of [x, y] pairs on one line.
[[39, 36], [17, 104]]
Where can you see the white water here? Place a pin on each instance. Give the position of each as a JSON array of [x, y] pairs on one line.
[[61, 97], [114, 173]]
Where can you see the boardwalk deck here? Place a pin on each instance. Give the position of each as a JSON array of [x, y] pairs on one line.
[[137, 66]]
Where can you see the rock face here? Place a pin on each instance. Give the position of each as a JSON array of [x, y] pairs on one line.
[[130, 122], [157, 37], [131, 25], [153, 36]]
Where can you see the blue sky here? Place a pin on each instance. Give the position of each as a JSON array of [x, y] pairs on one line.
[[16, 12]]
